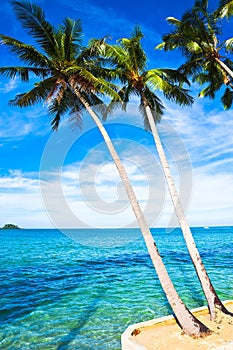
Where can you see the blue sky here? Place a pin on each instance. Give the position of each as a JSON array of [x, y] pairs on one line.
[[67, 179]]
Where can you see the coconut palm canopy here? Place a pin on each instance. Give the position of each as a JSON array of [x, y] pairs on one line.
[[130, 62], [198, 34], [56, 58]]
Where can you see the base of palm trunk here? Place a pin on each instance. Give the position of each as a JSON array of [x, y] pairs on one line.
[[164, 333]]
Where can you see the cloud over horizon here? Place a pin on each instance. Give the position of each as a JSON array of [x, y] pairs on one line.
[[90, 188]]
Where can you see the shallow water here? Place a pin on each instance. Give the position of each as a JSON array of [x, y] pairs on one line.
[[81, 293]]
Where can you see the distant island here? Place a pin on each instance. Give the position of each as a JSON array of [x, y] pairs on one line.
[[10, 226]]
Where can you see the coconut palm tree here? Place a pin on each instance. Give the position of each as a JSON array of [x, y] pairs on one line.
[[130, 61], [197, 35], [71, 81]]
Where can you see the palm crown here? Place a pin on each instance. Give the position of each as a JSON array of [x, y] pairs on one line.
[[129, 63], [197, 35], [62, 64]]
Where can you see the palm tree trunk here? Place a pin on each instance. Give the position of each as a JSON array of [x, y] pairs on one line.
[[188, 322], [225, 67], [210, 293]]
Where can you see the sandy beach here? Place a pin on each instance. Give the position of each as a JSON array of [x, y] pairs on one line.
[[168, 335]]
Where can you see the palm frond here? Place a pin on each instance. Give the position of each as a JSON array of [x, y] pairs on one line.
[[116, 54], [26, 53], [164, 80], [133, 47], [32, 18], [160, 46], [207, 92], [227, 98], [201, 4], [22, 72], [174, 21], [96, 103], [192, 66], [124, 93], [225, 9], [72, 31], [86, 81], [197, 36], [171, 75], [179, 95], [229, 45], [36, 95], [67, 105]]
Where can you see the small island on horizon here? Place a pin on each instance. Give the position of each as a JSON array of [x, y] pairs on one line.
[[10, 226]]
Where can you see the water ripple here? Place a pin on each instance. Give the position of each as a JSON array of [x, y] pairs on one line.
[[61, 294]]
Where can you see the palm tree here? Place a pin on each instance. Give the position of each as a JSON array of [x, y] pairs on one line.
[[130, 63], [197, 35], [69, 81]]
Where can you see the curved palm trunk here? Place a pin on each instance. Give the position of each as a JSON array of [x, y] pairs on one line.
[[190, 325], [227, 70], [209, 291], [225, 67]]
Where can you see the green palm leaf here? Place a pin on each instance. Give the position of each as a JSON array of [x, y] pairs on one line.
[[32, 18], [36, 95], [197, 35], [227, 98], [61, 61], [26, 53], [128, 60], [225, 9], [72, 33], [22, 72], [229, 44], [174, 21]]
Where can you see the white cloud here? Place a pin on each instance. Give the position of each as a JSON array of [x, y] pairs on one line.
[[205, 133], [9, 86], [89, 192], [15, 123], [21, 202], [102, 201], [14, 127], [212, 201]]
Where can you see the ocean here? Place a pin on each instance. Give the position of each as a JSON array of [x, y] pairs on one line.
[[80, 289]]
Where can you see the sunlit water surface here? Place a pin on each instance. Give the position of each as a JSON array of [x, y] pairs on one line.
[[82, 293]]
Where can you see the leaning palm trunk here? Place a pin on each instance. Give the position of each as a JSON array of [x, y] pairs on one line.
[[209, 291], [190, 325], [225, 67], [227, 70]]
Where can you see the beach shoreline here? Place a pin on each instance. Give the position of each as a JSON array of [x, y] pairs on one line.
[[164, 333]]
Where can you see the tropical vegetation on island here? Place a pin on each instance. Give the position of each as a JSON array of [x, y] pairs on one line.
[[10, 227], [73, 78]]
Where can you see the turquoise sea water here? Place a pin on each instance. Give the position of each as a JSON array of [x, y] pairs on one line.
[[81, 293]]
